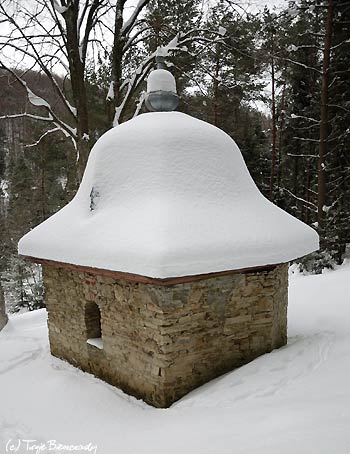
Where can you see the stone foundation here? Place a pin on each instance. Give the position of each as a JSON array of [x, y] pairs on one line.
[[160, 342]]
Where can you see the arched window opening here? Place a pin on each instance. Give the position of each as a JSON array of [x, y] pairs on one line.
[[93, 325]]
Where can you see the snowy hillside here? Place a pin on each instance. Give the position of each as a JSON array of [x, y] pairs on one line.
[[292, 401]]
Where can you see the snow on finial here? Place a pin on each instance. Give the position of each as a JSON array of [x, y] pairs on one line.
[[161, 93]]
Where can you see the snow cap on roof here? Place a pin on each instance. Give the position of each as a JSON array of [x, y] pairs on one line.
[[168, 195], [161, 80]]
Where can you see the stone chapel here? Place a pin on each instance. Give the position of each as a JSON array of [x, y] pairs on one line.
[[169, 267]]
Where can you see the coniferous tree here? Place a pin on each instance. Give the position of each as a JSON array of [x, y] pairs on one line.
[[336, 202]]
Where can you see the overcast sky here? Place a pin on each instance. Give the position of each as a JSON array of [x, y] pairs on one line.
[[260, 4]]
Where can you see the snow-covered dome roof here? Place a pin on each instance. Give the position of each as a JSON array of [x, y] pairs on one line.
[[168, 195]]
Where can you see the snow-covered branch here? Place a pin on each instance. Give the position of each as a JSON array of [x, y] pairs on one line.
[[309, 205], [46, 133], [40, 102], [32, 45], [135, 38], [346, 41], [298, 63], [37, 101], [139, 104], [302, 155], [127, 27], [134, 82], [304, 139], [339, 107], [26, 115], [293, 116], [59, 8]]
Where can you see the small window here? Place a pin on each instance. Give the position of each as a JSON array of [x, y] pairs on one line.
[[93, 325]]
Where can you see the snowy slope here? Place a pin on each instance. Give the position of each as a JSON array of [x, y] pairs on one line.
[[170, 196], [295, 400]]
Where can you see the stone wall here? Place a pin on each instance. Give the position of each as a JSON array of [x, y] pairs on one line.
[[3, 316], [159, 342]]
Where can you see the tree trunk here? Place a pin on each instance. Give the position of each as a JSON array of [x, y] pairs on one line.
[[280, 136], [216, 87], [274, 131], [324, 116], [77, 69], [117, 61], [83, 149], [42, 151], [3, 316], [295, 176], [307, 189]]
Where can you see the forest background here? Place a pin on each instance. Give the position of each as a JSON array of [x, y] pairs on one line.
[[276, 80]]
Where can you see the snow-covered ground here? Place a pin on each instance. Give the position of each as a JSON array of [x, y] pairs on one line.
[[295, 400]]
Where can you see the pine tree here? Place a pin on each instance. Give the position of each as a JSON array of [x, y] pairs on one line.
[[336, 208]]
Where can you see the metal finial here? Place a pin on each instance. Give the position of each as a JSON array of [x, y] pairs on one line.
[[160, 60], [161, 89]]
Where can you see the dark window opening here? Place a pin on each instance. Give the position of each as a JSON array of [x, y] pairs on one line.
[[93, 325]]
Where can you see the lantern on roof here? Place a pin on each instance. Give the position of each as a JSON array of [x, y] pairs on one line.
[[161, 89]]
